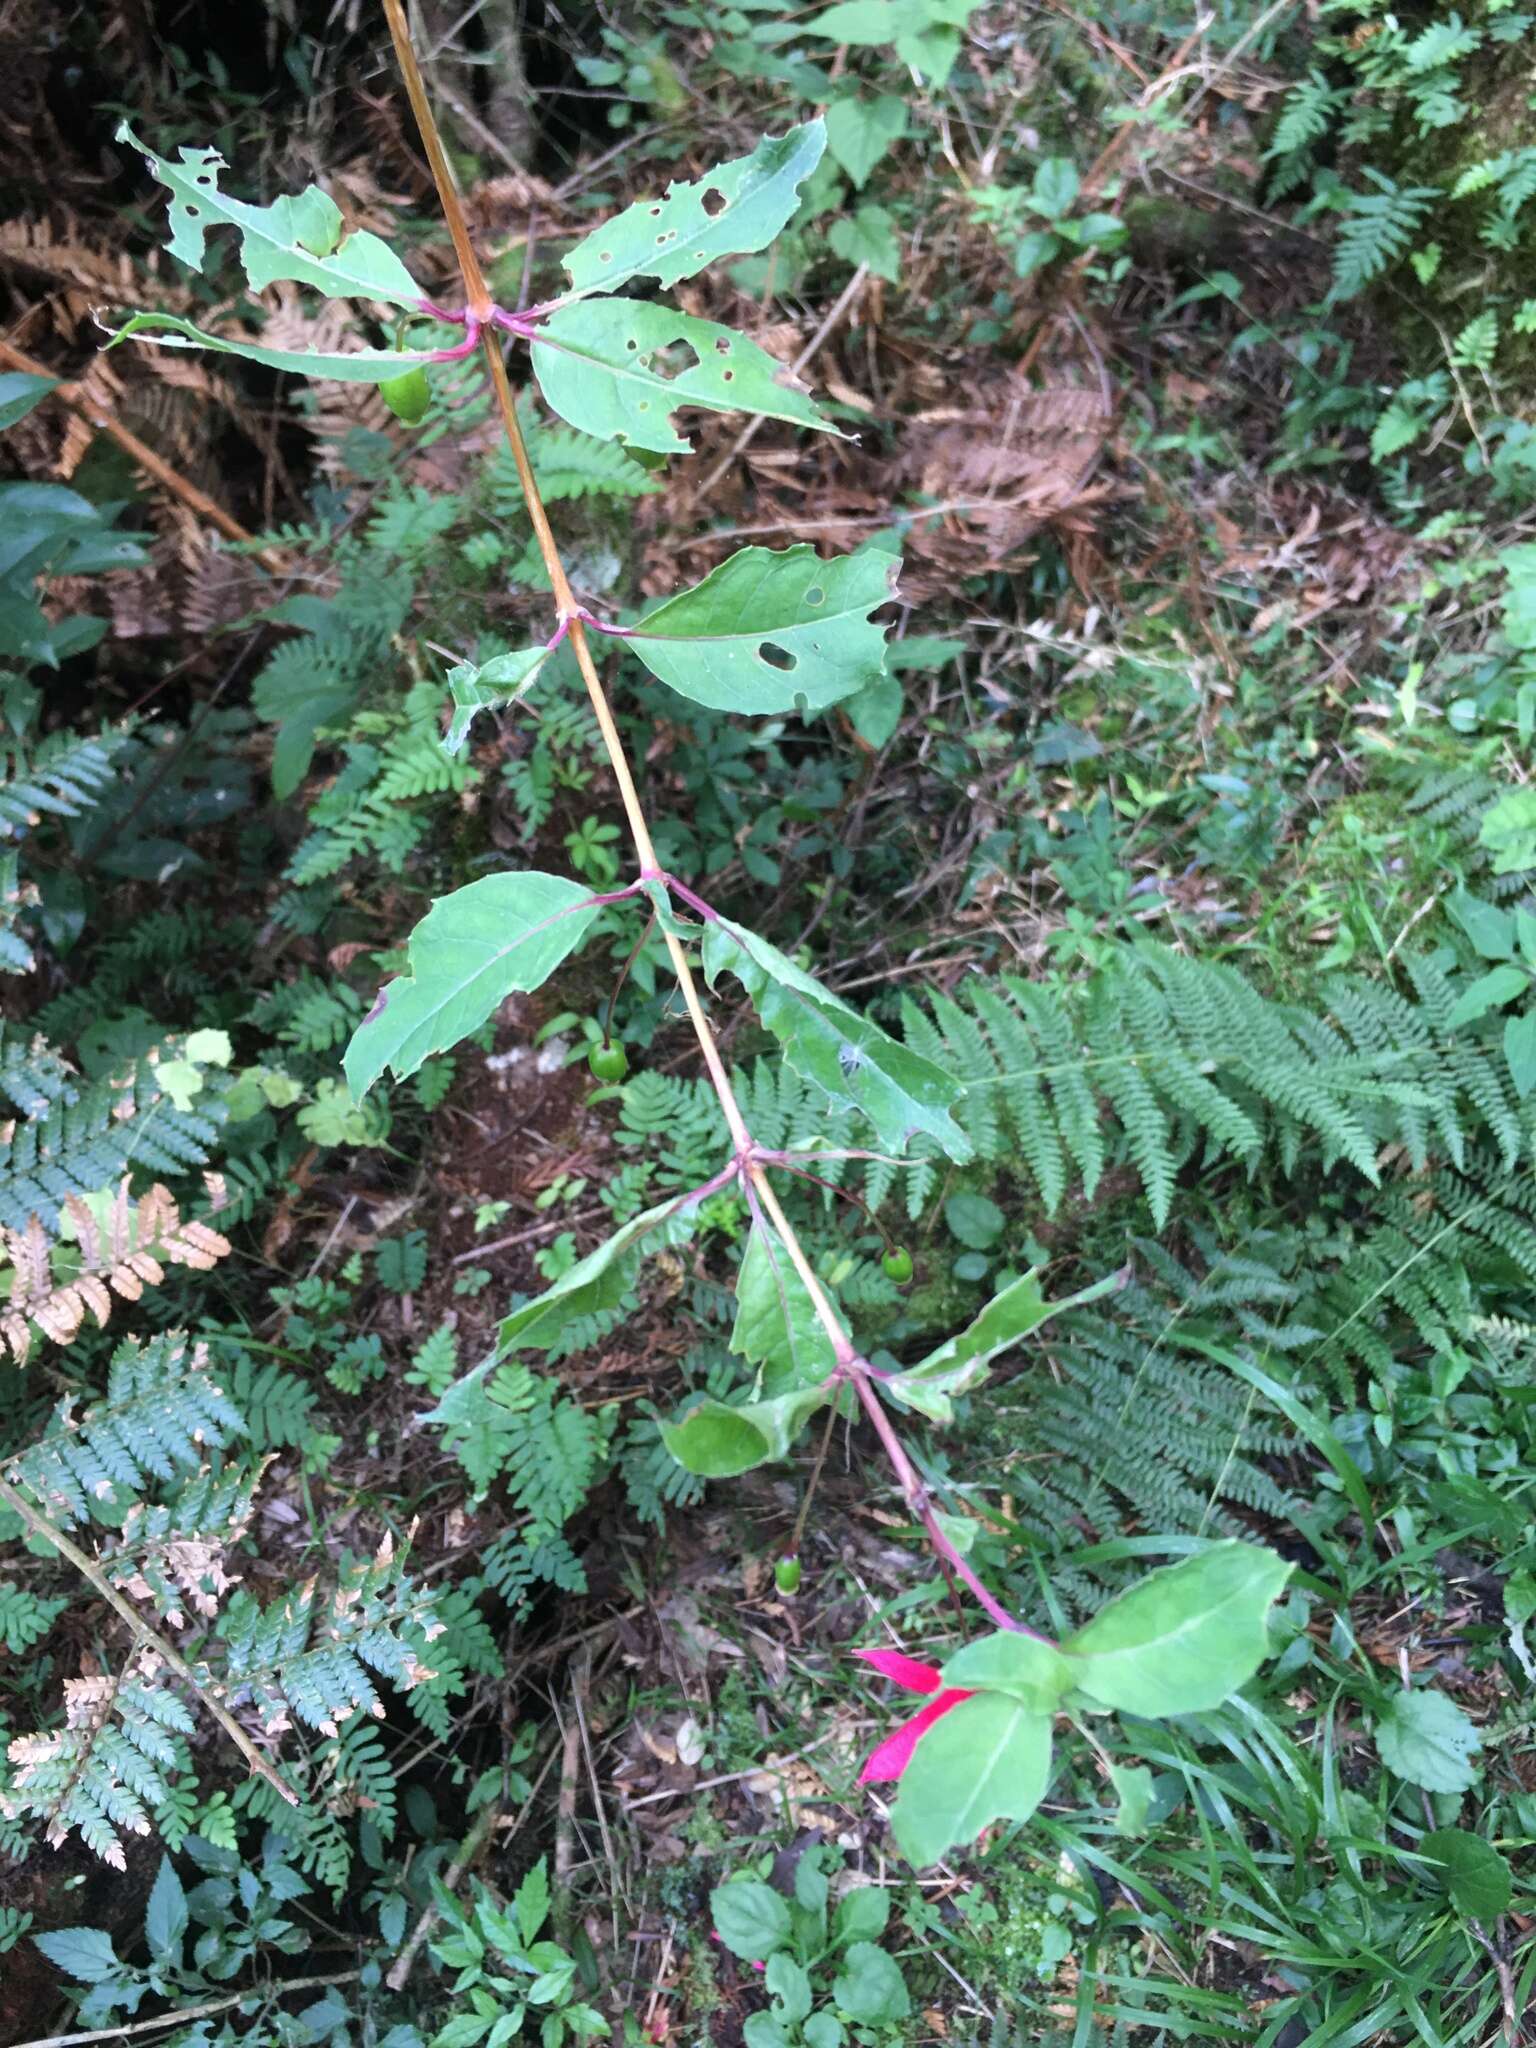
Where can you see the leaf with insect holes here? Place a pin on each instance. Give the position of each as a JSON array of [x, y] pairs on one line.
[[1185, 1637], [356, 366], [854, 1063], [619, 368], [470, 951], [768, 631], [303, 239], [988, 1759], [503, 680], [733, 210], [961, 1361]]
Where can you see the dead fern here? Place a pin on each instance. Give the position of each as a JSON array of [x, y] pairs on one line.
[[124, 1247]]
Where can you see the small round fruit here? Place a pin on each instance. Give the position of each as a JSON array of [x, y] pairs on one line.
[[408, 396], [786, 1575], [898, 1265], [609, 1062]]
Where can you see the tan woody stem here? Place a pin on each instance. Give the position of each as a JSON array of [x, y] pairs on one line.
[[478, 305]]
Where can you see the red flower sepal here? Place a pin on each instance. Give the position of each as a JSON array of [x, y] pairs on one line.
[[893, 1755]]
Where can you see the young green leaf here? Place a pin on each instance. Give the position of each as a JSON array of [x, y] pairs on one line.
[[870, 1987], [599, 1281], [718, 1441], [470, 951], [988, 1759], [768, 632], [357, 366], [1133, 1789], [854, 1063], [609, 367], [301, 238], [923, 33], [961, 1361], [734, 209], [503, 680], [1429, 1740], [777, 1328], [1034, 1673], [861, 131], [751, 1919], [1184, 1638], [1477, 1877]]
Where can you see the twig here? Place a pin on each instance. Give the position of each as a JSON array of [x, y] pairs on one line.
[[191, 2012], [74, 395], [90, 1571], [469, 1849]]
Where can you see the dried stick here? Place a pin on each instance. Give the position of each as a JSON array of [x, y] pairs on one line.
[[89, 1570], [191, 2012]]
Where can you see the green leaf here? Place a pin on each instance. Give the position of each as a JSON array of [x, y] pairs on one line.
[[987, 1759], [789, 1986], [875, 711], [862, 1914], [923, 33], [718, 1441], [1489, 926], [599, 1281], [1520, 1051], [868, 236], [975, 1221], [1477, 1877], [1055, 187], [1133, 1789], [19, 392], [732, 210], [1490, 991], [1184, 1638], [960, 1362], [470, 951], [165, 1917], [768, 632], [854, 1063], [300, 238], [503, 680], [1427, 1739], [870, 1988], [823, 2030], [860, 132], [752, 1919], [1034, 1673], [777, 1328], [86, 1953], [619, 368], [356, 366]]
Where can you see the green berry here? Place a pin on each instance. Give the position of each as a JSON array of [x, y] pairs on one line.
[[609, 1062], [408, 396], [898, 1265], [786, 1575]]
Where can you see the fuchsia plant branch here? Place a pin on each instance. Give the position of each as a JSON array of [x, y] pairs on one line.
[[482, 320]]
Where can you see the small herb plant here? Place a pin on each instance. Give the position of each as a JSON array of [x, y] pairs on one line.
[[509, 1981], [824, 1972], [766, 634]]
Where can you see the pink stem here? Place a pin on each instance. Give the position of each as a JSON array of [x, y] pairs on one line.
[[441, 314], [916, 1494]]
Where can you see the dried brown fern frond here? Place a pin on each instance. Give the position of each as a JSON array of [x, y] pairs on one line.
[[124, 1247]]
